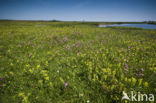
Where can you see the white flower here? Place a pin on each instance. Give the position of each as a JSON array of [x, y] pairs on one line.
[[87, 101], [57, 71]]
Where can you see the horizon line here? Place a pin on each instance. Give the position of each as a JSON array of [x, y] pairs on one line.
[[54, 20]]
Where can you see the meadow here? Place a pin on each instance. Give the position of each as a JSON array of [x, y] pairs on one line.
[[74, 62]]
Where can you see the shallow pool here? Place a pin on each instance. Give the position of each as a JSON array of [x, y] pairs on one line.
[[144, 26]]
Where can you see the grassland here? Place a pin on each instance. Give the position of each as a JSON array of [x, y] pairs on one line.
[[73, 62]]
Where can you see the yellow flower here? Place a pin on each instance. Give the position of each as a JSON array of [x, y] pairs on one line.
[[25, 99], [45, 75], [51, 84], [9, 51], [38, 66], [11, 64], [30, 70], [11, 73], [44, 71], [46, 78], [146, 84], [61, 79], [46, 63], [133, 81], [140, 81], [105, 77], [40, 81], [17, 61], [3, 85], [48, 52], [28, 65], [114, 72], [119, 65], [129, 80], [125, 79], [21, 94], [104, 70], [124, 60]]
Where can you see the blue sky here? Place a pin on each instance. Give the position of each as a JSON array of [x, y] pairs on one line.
[[78, 10]]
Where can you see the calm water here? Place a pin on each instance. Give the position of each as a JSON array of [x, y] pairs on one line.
[[144, 26]]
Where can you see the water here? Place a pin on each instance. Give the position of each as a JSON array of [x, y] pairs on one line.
[[144, 26]]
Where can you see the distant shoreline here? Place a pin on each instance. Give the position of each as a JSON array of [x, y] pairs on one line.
[[94, 22]]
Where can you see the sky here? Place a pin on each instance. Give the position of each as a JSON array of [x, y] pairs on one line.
[[79, 10]]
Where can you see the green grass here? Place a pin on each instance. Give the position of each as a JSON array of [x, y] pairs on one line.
[[38, 58]]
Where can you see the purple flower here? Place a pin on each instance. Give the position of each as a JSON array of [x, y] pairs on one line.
[[65, 39], [19, 45], [126, 66], [142, 69], [127, 60], [1, 78], [126, 70], [68, 47], [66, 84], [141, 74]]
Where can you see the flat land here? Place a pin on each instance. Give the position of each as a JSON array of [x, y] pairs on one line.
[[74, 62]]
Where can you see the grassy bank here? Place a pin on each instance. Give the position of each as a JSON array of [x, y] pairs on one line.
[[74, 62]]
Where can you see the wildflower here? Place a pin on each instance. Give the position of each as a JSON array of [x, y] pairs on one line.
[[77, 44], [129, 80], [38, 66], [46, 63], [125, 60], [87, 101], [68, 47], [19, 45], [142, 69], [48, 52], [65, 39], [66, 84], [46, 78], [9, 51], [57, 71], [21, 94], [40, 82], [3, 85], [146, 84], [81, 94], [30, 55], [17, 61], [126, 79], [25, 99], [126, 70], [1, 78], [11, 64], [28, 65], [140, 81], [133, 81], [105, 77], [11, 73], [30, 70], [114, 72], [9, 32], [61, 80], [45, 74], [51, 84], [119, 65]]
